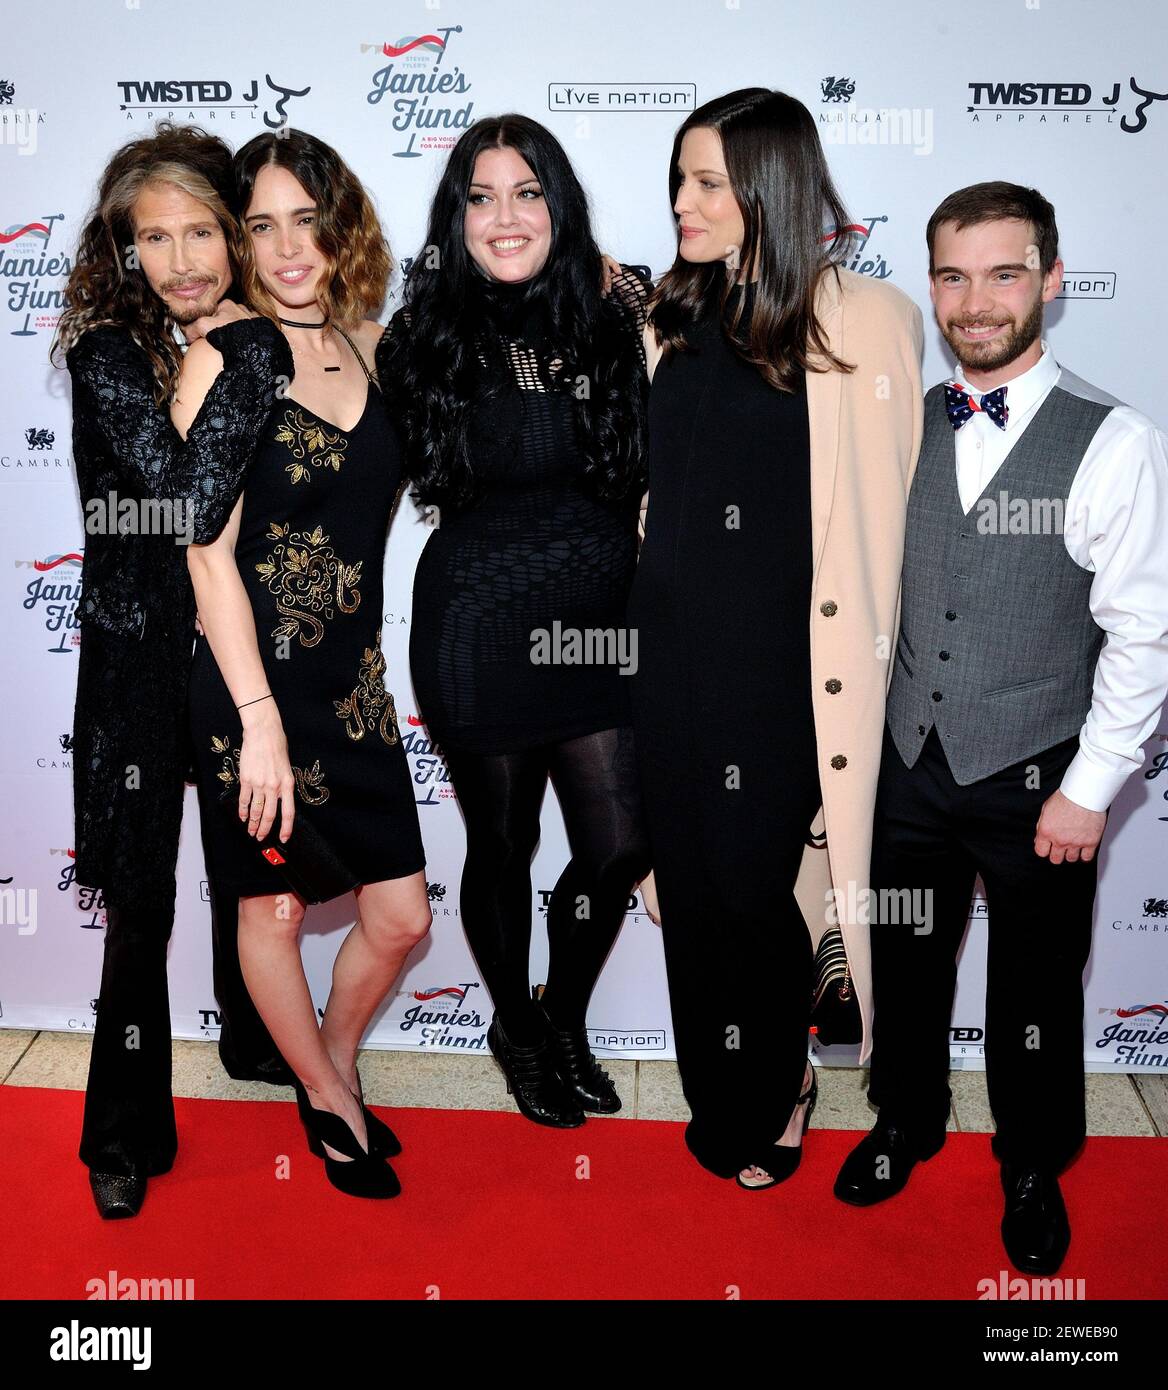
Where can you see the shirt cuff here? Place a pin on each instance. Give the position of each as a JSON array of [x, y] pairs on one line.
[[1091, 786]]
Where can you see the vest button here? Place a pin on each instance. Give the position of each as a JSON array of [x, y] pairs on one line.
[[833, 687], [921, 730], [829, 608], [936, 695], [839, 761], [951, 615], [943, 655]]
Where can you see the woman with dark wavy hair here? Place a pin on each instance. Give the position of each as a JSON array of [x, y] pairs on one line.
[[520, 390], [785, 420], [289, 712]]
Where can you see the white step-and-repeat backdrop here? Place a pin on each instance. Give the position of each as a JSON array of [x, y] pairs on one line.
[[913, 100]]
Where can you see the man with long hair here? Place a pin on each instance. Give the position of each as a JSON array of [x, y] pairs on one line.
[[154, 262]]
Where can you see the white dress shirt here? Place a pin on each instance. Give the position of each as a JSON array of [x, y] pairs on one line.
[[1116, 526]]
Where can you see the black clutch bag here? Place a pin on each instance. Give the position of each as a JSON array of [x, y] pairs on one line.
[[835, 1010], [307, 863]]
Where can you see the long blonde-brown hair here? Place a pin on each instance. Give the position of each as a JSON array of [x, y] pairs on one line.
[[346, 229], [106, 286]]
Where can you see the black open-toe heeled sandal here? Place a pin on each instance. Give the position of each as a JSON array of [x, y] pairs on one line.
[[782, 1159]]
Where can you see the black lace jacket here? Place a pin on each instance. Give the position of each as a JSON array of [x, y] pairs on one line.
[[137, 606]]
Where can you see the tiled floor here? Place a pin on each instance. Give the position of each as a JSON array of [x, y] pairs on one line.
[[1116, 1104]]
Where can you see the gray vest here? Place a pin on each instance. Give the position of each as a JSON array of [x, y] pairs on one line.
[[997, 645]]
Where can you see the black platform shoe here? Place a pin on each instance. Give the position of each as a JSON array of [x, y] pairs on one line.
[[1035, 1229], [118, 1195], [578, 1069], [533, 1080], [366, 1175]]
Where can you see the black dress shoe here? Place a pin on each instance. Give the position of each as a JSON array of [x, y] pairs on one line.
[[273, 1070], [1035, 1229], [117, 1195], [879, 1166]]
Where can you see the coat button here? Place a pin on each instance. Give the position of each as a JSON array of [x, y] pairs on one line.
[[833, 687], [921, 730], [936, 695], [839, 761], [943, 655], [951, 615], [829, 608]]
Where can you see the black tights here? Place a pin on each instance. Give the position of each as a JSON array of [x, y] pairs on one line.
[[595, 778]]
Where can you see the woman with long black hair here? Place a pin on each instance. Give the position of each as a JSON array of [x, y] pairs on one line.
[[520, 391], [785, 420]]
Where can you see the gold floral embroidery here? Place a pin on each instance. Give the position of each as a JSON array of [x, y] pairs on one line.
[[323, 448], [370, 706], [309, 781], [307, 578]]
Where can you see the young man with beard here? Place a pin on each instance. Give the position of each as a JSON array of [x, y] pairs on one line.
[[156, 257], [1031, 665]]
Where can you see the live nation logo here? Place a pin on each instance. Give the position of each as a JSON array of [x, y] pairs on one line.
[[1119, 104], [421, 86], [151, 98]]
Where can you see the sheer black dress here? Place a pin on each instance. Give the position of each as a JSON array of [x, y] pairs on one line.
[[536, 551]]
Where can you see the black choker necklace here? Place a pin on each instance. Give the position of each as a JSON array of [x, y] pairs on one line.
[[291, 323]]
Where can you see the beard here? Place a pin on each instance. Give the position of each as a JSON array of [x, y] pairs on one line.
[[185, 311], [992, 356]]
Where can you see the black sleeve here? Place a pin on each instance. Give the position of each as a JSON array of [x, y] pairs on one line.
[[387, 356], [113, 399]]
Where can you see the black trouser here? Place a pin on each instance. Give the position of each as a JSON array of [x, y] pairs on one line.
[[129, 1111], [595, 778], [934, 836]]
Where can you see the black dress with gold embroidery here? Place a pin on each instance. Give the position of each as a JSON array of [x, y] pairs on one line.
[[316, 509]]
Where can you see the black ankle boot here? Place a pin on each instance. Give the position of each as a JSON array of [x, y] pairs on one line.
[[578, 1069], [533, 1080]]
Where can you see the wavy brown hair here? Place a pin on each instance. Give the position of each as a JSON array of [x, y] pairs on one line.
[[784, 191], [102, 290], [346, 229]]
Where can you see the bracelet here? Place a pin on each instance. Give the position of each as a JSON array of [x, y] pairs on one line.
[[256, 701]]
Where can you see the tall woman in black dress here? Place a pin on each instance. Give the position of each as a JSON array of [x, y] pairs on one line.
[[288, 704], [521, 394], [726, 717]]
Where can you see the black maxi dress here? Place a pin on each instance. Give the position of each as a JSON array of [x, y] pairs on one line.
[[311, 545], [724, 732]]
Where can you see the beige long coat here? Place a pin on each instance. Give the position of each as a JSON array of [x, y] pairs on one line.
[[865, 429]]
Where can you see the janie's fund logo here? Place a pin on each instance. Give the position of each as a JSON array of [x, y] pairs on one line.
[[421, 86], [34, 274], [53, 594]]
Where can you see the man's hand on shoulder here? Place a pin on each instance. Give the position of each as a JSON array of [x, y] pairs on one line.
[[227, 312]]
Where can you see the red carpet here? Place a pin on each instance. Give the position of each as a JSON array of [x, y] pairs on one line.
[[495, 1207]]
